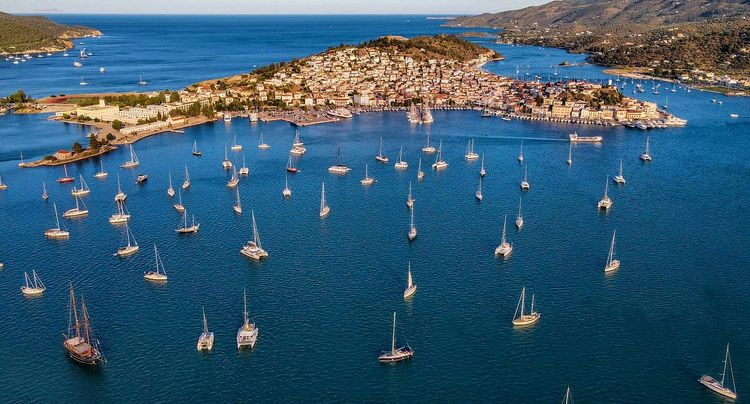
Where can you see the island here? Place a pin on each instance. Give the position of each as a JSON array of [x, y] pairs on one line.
[[34, 34]]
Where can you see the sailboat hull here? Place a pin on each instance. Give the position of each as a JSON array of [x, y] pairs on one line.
[[716, 387], [527, 320], [613, 266], [398, 355]]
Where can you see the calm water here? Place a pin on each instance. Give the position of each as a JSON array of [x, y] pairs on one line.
[[324, 298]]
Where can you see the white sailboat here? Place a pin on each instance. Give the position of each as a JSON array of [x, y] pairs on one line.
[[178, 206], [646, 155], [420, 173], [235, 146], [570, 154], [237, 204], [33, 286], [206, 339], [338, 168], [287, 192], [482, 171], [261, 144], [3, 186], [131, 248], [186, 183], [367, 180], [400, 163], [159, 274], [412, 228], [78, 211], [102, 172], [395, 354], [525, 182], [298, 148], [429, 149], [253, 248], [226, 163], [505, 248], [411, 288], [520, 153], [244, 170], [409, 198], [185, 227], [718, 386], [21, 163], [324, 208], [381, 157], [479, 194], [120, 216], [170, 190], [619, 179], [568, 399], [519, 218], [612, 263], [196, 152], [605, 203], [470, 154], [133, 162], [520, 318], [247, 335], [120, 196], [57, 232], [439, 163], [45, 195], [234, 180], [83, 190]]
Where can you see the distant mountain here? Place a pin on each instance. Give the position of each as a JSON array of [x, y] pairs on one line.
[[37, 34]]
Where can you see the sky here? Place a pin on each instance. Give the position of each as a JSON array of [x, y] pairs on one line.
[[456, 7]]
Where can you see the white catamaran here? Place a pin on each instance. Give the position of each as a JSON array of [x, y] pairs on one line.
[[206, 339], [619, 179], [646, 155], [338, 168], [247, 335], [520, 318], [235, 146], [470, 153], [482, 171], [261, 144], [253, 248], [244, 170], [420, 173]]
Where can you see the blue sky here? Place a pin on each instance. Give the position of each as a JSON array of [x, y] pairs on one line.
[[458, 7]]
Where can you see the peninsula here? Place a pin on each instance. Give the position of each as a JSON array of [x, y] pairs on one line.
[[34, 34]]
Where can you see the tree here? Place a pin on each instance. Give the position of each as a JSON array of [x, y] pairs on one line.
[[77, 148], [19, 97], [117, 125], [110, 137]]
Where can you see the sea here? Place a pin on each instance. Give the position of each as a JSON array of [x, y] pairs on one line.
[[325, 297]]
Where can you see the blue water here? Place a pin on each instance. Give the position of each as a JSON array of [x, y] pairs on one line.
[[324, 298]]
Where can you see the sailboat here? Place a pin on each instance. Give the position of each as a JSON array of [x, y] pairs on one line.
[[235, 146], [718, 386], [159, 274], [133, 162], [505, 248], [77, 211], [65, 178], [253, 248], [395, 354], [479, 194], [206, 339], [120, 196], [400, 163], [121, 216], [439, 163], [141, 82], [185, 227], [287, 192], [367, 180], [178, 206], [519, 317], [409, 198], [298, 147], [45, 195], [570, 154], [411, 288], [520, 153], [2, 185], [619, 179], [196, 152], [170, 190], [429, 149], [646, 155], [420, 173], [237, 205], [21, 163], [261, 144], [525, 182], [470, 154], [80, 342], [129, 249], [102, 172], [324, 208], [605, 203], [482, 171], [57, 232], [247, 335], [412, 228], [568, 397], [226, 163], [297, 142], [612, 263], [186, 183], [290, 166], [338, 168], [83, 190], [83, 82], [33, 286], [244, 170], [519, 218], [234, 180], [381, 157]]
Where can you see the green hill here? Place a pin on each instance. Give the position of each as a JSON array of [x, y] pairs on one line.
[[32, 33]]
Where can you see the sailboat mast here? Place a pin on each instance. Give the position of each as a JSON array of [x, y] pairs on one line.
[[523, 300], [502, 241], [611, 249], [724, 373], [85, 315], [205, 323], [393, 336], [73, 315], [57, 218], [244, 312]]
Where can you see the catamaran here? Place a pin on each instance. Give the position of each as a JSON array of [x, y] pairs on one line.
[[287, 192], [226, 163], [338, 168], [420, 173], [717, 386], [619, 179], [185, 227], [400, 163], [186, 183], [170, 190], [244, 170], [429, 149], [297, 142], [612, 263], [482, 171], [525, 182], [65, 178], [178, 206], [234, 180], [367, 180], [412, 228], [470, 154], [206, 339], [159, 274], [133, 162], [519, 317], [196, 152], [57, 232], [102, 172], [570, 154], [235, 146], [520, 153], [411, 288], [33, 286], [77, 211], [45, 195], [120, 196], [479, 194], [80, 342], [505, 248], [83, 190], [409, 198], [261, 144], [395, 354], [381, 157], [646, 155], [237, 204], [605, 203], [519, 218], [253, 248], [298, 147], [129, 249], [247, 335], [439, 163], [120, 216], [290, 166], [324, 208]]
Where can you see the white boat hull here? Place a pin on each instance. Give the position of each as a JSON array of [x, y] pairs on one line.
[[717, 388], [613, 266]]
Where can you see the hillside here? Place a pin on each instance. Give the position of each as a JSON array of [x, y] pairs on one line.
[[37, 34]]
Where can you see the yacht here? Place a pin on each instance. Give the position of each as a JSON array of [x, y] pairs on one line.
[[178, 206], [227, 117], [129, 249], [244, 170], [439, 163], [142, 82], [247, 335], [429, 149], [120, 216], [78, 211], [470, 154], [619, 179], [412, 228], [102, 172], [525, 182], [65, 178], [83, 190], [82, 82], [718, 386], [411, 288], [298, 148], [170, 190], [605, 203], [57, 232], [413, 114], [141, 178], [159, 274], [420, 173], [297, 142], [206, 339], [338, 168], [479, 194], [226, 163], [519, 218], [482, 171], [395, 354], [409, 198], [253, 116], [3, 186], [120, 196], [612, 263], [400, 163], [234, 180], [185, 227], [573, 137], [196, 152], [33, 286], [261, 144], [646, 155], [80, 342], [520, 153], [45, 195], [380, 156], [235, 146], [340, 113], [287, 192], [133, 162], [237, 204], [324, 208], [505, 248], [520, 318], [367, 180], [253, 248], [570, 154], [290, 166]]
